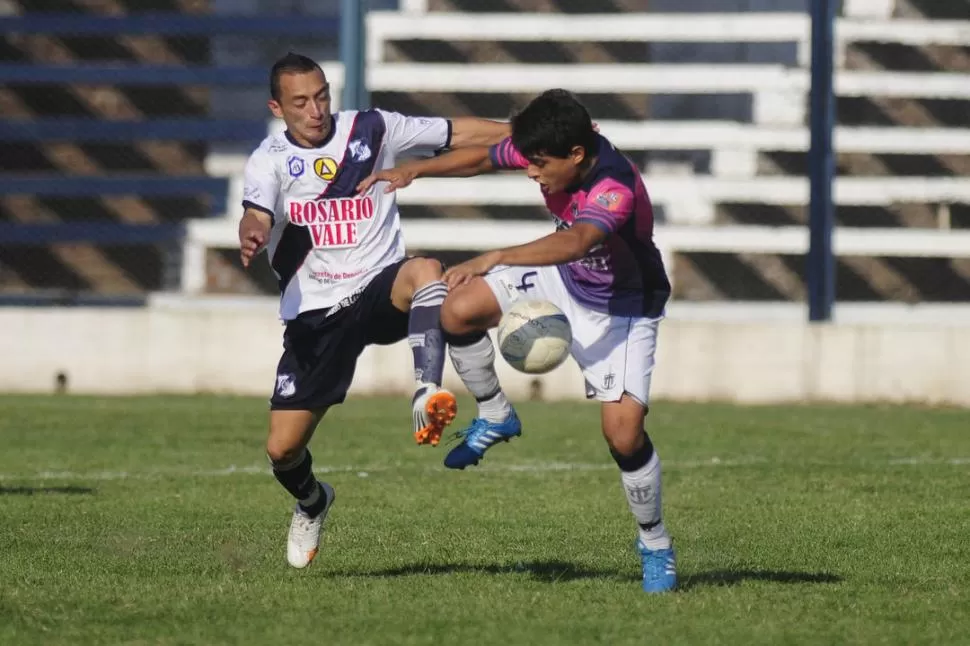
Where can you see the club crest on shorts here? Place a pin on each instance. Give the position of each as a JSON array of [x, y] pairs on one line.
[[609, 380], [285, 384]]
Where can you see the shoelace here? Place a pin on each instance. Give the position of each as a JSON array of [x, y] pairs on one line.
[[477, 426], [303, 524]]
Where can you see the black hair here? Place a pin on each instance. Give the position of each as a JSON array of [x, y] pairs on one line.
[[553, 124], [289, 63]]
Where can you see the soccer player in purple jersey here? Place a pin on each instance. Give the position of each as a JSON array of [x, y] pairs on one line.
[[600, 267]]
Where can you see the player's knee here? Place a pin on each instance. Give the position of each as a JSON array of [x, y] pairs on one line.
[[623, 425], [469, 309], [457, 314], [624, 435], [424, 271], [282, 450], [624, 443]]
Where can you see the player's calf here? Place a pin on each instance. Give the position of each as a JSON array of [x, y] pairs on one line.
[[639, 465], [314, 500], [432, 407], [466, 315], [290, 432]]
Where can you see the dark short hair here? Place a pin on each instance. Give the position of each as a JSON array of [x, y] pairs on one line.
[[553, 124], [289, 63]]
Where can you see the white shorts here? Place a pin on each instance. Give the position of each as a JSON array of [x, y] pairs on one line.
[[615, 353]]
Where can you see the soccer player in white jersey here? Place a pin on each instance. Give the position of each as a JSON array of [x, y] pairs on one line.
[[344, 279], [600, 267]]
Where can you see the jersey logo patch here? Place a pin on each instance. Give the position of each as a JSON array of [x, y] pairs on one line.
[[359, 150], [608, 200], [295, 165], [325, 168]]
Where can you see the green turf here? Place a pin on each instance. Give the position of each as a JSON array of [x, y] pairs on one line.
[[827, 525]]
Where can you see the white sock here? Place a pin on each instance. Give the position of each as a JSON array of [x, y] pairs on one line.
[[475, 364], [495, 409], [642, 488]]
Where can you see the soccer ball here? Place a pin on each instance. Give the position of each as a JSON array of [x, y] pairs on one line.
[[534, 336]]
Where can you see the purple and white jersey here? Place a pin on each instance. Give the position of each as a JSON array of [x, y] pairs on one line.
[[327, 242], [625, 274]]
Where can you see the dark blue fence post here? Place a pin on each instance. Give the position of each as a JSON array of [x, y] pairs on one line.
[[352, 54], [821, 163]]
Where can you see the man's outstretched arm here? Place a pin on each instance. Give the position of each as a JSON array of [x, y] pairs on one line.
[[471, 131], [464, 162]]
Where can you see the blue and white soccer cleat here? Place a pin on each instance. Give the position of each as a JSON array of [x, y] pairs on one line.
[[659, 568], [480, 436]]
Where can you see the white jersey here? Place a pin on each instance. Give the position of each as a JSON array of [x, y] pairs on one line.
[[328, 242]]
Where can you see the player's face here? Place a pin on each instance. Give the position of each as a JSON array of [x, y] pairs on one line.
[[555, 174], [304, 106]]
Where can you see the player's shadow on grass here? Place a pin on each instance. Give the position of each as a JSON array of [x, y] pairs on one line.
[[544, 571], [561, 571], [69, 490], [721, 578]]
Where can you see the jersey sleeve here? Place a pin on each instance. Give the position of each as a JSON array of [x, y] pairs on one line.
[[608, 205], [261, 186], [419, 134], [503, 155]]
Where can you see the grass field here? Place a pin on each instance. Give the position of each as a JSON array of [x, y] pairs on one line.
[[156, 521]]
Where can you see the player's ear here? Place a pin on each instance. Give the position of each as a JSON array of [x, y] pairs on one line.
[[275, 108], [577, 154]]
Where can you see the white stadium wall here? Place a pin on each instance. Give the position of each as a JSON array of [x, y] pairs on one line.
[[234, 348]]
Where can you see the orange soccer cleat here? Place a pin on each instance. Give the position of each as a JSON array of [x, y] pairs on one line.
[[434, 409]]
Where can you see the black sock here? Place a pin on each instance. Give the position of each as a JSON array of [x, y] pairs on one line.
[[298, 479], [638, 459], [462, 340]]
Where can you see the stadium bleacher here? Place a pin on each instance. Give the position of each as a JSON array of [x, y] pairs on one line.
[[903, 85], [105, 131]]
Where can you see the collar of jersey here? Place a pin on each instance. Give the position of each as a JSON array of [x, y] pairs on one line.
[[333, 130]]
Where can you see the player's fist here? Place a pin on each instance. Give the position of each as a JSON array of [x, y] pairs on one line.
[[253, 233], [395, 177]]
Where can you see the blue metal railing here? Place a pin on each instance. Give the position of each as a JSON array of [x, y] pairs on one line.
[[108, 74], [114, 185], [108, 233], [160, 23], [821, 159], [349, 28], [96, 130]]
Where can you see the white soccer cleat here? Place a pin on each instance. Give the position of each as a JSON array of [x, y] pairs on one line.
[[433, 409], [303, 541]]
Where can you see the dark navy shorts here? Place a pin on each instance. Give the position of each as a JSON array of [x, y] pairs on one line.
[[320, 352]]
